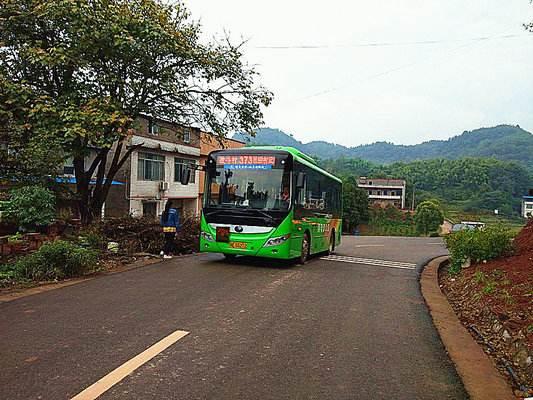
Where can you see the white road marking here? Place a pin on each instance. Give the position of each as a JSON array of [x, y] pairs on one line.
[[370, 261], [115, 376]]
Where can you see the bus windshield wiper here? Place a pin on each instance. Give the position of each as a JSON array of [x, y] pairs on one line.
[[263, 213]]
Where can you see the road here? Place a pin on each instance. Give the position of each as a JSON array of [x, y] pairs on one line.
[[353, 326]]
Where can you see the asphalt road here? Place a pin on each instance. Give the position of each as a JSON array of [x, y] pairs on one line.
[[348, 327]]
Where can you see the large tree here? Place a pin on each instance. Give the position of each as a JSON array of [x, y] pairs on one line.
[[93, 66]]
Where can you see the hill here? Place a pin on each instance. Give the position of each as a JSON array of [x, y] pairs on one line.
[[503, 142], [465, 184]]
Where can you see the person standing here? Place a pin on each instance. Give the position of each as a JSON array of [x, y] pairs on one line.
[[170, 221]]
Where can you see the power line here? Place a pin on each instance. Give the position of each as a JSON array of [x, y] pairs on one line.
[[391, 44], [456, 49]]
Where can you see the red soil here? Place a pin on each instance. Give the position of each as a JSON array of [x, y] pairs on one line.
[[524, 240], [504, 287]]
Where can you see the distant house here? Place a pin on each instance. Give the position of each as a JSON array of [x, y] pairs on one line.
[[384, 192], [527, 205], [208, 143]]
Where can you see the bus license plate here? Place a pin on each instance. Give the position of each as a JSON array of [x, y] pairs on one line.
[[238, 245]]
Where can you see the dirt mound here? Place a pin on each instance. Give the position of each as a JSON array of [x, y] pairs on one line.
[[524, 240]]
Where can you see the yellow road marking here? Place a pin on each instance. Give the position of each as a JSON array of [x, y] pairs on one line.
[[115, 376]]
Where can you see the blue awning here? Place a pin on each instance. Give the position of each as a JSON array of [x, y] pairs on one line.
[[72, 180]]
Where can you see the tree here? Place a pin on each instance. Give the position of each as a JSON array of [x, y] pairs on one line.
[[355, 205], [428, 217], [25, 158], [91, 67]]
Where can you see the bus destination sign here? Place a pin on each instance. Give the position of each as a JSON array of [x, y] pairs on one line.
[[246, 162]]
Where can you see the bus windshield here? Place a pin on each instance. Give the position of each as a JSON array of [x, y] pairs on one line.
[[249, 182]]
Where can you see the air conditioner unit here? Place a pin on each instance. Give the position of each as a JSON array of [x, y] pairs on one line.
[[163, 186]]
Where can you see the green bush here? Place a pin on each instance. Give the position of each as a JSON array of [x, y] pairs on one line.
[[31, 206], [7, 272], [93, 239], [428, 216], [56, 260], [478, 245]]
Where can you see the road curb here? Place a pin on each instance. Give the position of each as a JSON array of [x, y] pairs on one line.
[[480, 377]]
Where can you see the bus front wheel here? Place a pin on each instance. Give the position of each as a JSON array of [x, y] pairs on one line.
[[304, 255]]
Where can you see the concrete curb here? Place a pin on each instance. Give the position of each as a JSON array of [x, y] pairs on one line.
[[480, 377]]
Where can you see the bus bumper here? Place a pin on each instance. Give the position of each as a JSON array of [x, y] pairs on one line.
[[253, 248]]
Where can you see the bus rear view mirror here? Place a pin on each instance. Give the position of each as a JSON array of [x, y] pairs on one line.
[[300, 180], [185, 177]]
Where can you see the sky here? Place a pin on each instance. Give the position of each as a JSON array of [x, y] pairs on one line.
[[404, 71]]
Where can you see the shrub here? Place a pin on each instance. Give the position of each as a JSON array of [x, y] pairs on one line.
[[93, 239], [56, 260], [31, 206], [478, 245], [428, 216], [7, 273]]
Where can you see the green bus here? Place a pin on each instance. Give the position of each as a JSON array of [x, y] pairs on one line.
[[269, 201]]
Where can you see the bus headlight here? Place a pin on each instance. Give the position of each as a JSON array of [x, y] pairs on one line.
[[277, 240], [207, 236]]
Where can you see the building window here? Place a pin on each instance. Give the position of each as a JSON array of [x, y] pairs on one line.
[[151, 167], [370, 182], [149, 209], [153, 128], [179, 166], [187, 135]]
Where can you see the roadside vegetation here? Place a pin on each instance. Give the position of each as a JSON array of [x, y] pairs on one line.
[[41, 246], [490, 285], [478, 246], [390, 221], [53, 261]]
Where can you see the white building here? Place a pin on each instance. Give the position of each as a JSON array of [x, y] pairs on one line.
[[151, 175], [384, 192], [527, 205]]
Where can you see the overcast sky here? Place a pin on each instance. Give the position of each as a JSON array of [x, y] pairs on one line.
[[371, 79]]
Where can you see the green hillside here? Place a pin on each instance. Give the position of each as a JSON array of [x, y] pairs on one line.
[[503, 142], [465, 184]]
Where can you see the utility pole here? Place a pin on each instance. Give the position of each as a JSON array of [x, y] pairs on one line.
[[413, 199]]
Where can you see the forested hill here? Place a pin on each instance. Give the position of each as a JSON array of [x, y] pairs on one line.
[[468, 184], [503, 142]]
